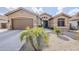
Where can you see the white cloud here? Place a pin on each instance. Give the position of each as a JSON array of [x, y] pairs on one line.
[[34, 9], [60, 9], [41, 10], [11, 8], [37, 10], [7, 9], [73, 11]]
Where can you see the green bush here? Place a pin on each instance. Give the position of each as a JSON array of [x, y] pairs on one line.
[[39, 25], [52, 28], [57, 30]]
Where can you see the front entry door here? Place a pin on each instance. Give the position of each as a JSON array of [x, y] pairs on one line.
[[45, 24]]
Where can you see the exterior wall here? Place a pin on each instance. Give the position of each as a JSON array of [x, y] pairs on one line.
[[24, 14], [74, 17], [51, 25], [4, 19], [38, 21], [55, 22], [42, 16]]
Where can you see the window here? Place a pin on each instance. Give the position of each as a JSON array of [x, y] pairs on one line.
[[44, 17], [61, 22]]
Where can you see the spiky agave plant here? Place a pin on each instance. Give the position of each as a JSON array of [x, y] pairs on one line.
[[36, 34]]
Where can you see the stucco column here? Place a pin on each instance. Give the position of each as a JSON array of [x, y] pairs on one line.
[[0, 25], [35, 22], [10, 24]]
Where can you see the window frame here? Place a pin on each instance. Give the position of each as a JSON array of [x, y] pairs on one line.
[[61, 22]]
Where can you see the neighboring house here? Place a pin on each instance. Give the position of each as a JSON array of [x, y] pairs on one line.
[[45, 20], [61, 21], [74, 22], [3, 22], [21, 18]]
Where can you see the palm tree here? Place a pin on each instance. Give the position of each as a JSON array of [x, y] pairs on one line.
[[36, 34]]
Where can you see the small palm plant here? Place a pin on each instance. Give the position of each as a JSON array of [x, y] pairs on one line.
[[27, 34], [34, 34], [40, 35], [57, 31]]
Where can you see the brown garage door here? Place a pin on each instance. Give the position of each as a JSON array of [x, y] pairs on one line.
[[22, 23]]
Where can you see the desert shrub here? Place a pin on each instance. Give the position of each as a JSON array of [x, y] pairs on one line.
[[57, 31]]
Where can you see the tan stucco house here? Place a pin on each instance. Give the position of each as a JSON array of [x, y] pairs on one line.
[[61, 21], [21, 18]]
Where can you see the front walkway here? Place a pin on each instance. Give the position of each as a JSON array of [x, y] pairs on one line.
[[59, 44]]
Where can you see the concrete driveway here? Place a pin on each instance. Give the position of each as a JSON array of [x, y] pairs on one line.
[[70, 34], [9, 40]]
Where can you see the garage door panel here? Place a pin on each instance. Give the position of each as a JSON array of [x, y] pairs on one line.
[[22, 23]]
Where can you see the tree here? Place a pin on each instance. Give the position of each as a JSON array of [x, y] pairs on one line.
[[35, 34]]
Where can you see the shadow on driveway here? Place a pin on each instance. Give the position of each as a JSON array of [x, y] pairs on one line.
[[63, 38]]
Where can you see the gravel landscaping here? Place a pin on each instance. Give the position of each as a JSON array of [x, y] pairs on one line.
[[59, 44]]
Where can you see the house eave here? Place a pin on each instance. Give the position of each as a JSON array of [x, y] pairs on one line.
[[20, 8]]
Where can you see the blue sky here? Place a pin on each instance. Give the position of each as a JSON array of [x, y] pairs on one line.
[[39, 10]]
